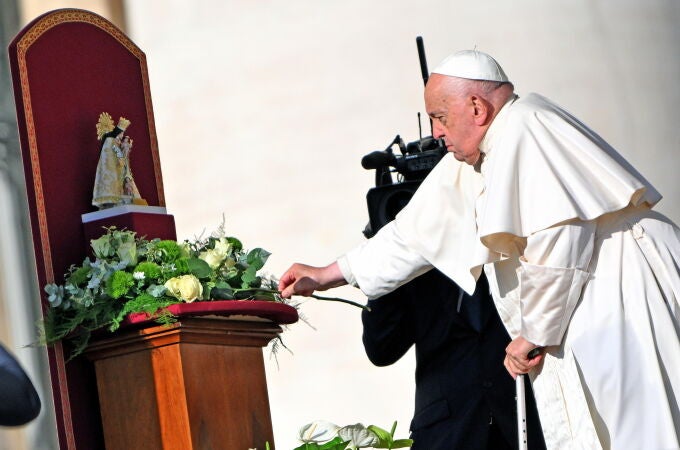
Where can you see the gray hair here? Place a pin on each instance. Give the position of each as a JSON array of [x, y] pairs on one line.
[[494, 92]]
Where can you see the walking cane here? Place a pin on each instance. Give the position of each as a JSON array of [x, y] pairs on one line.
[[521, 404], [521, 413]]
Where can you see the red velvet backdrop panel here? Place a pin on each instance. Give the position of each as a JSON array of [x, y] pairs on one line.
[[68, 66]]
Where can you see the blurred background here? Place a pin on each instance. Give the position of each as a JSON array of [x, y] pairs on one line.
[[264, 110]]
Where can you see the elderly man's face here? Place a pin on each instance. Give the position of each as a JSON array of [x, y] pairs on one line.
[[452, 119]]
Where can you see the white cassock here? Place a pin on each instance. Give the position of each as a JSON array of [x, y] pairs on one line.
[[577, 261]]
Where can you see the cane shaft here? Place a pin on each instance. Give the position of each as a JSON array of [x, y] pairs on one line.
[[521, 413]]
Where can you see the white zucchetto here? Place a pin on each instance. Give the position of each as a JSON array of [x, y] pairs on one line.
[[473, 65]]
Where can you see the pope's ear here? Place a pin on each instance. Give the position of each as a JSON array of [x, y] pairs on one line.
[[480, 110]]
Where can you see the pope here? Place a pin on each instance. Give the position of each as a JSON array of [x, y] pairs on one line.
[[577, 260]]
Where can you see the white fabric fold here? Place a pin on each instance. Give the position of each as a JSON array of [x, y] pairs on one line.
[[439, 222], [383, 263], [569, 172], [548, 296]]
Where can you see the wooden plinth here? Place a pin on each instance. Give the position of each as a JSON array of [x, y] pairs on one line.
[[199, 384]]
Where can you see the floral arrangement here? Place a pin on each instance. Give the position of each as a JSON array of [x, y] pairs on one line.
[[130, 274], [322, 435]]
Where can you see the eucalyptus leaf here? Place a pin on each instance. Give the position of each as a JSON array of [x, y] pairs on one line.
[[101, 246], [156, 290], [249, 276], [257, 258], [243, 294], [199, 268], [235, 243], [222, 293], [261, 295], [127, 252]]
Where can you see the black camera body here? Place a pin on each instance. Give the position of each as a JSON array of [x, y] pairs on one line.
[[417, 159], [388, 197]]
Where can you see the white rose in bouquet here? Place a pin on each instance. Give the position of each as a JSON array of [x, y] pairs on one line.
[[185, 287], [215, 256]]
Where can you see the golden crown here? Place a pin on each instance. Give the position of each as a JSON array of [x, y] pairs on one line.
[[105, 124], [123, 123]]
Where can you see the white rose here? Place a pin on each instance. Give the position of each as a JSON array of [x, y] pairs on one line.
[[185, 287], [212, 257], [223, 247], [215, 256]]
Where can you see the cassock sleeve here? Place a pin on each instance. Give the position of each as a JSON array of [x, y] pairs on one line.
[[389, 328], [552, 274], [382, 263]]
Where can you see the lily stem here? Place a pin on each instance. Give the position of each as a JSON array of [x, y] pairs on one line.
[[318, 297]]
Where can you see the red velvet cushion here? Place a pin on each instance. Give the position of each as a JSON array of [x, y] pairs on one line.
[[276, 312]]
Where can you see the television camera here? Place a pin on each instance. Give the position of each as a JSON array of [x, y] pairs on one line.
[[415, 161]]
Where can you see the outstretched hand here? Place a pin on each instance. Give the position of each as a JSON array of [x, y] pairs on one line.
[[302, 279], [517, 359]]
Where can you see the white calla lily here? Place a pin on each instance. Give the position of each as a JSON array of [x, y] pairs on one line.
[[358, 436], [318, 431]]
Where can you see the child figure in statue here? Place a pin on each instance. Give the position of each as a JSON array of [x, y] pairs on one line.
[[130, 191], [114, 184]]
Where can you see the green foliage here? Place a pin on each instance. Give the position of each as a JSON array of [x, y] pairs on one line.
[[119, 283], [165, 251], [151, 270], [334, 444], [79, 275], [386, 438], [132, 275], [197, 267]]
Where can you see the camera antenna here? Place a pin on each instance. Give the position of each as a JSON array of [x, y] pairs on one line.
[[424, 72], [423, 62]]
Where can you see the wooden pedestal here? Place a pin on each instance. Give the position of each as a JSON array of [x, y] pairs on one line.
[[198, 384]]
